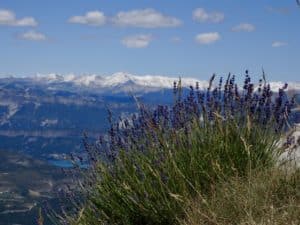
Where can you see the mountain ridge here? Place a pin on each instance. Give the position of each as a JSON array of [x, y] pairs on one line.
[[123, 82]]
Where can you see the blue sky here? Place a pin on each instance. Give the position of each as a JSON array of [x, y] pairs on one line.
[[179, 38]]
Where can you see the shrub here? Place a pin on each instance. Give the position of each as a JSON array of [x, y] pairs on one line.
[[152, 165]]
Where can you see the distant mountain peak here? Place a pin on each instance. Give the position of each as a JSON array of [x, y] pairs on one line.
[[124, 82]]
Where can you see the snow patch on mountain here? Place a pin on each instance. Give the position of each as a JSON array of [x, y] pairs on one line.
[[12, 109], [49, 122], [122, 81], [118, 79], [291, 85]]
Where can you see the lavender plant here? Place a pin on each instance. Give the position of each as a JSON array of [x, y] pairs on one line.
[[149, 166]]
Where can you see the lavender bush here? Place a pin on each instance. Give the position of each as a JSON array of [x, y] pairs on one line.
[[150, 166]]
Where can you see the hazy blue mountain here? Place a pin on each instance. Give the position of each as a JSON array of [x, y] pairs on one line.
[[43, 118]]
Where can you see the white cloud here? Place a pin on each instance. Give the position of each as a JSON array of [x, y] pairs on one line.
[[246, 27], [9, 18], [145, 18], [175, 39], [207, 38], [277, 44], [137, 41], [201, 15], [33, 36], [92, 18]]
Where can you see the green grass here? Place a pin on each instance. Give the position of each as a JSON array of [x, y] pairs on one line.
[[158, 186], [268, 197]]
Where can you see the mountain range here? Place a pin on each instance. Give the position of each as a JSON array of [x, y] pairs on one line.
[[120, 82], [46, 115]]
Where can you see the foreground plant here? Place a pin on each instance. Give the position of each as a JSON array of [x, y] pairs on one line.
[[268, 197], [152, 166]]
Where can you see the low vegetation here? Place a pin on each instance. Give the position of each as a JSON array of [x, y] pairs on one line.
[[211, 158], [268, 197]]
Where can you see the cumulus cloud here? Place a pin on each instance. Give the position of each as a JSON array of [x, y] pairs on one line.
[[145, 18], [201, 15], [244, 27], [207, 38], [9, 18], [137, 41], [33, 36], [92, 18], [277, 44]]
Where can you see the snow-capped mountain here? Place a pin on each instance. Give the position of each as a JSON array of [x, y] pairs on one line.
[[45, 114], [292, 86], [122, 82], [117, 82]]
